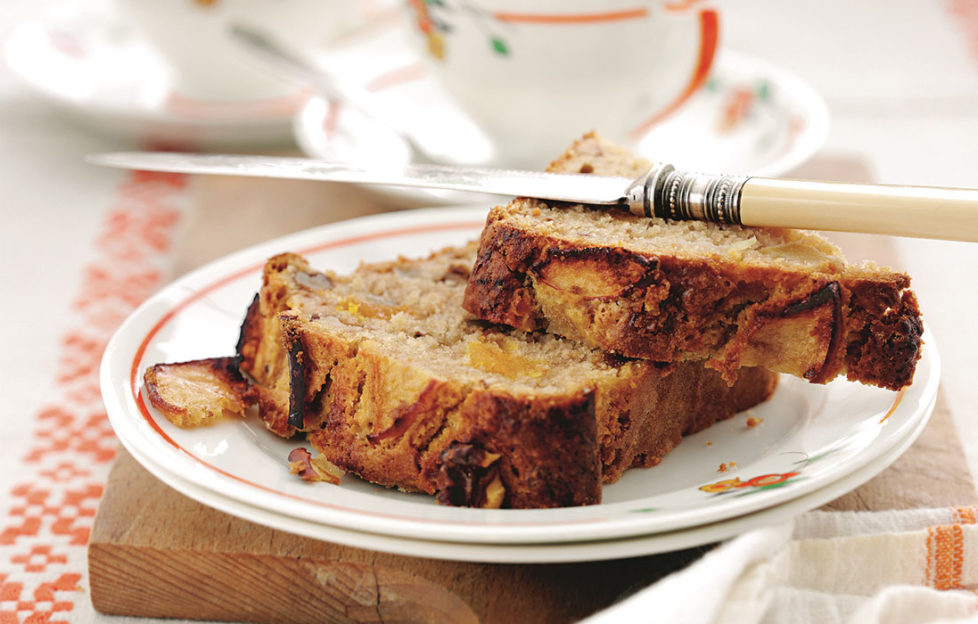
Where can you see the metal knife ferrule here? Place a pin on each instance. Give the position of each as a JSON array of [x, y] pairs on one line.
[[681, 196]]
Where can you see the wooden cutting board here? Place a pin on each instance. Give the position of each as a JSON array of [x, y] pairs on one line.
[[154, 552]]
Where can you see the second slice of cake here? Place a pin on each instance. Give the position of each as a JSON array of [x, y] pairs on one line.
[[731, 296]]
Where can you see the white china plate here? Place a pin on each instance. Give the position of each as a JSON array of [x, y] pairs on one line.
[[97, 67], [751, 117], [809, 436], [558, 552]]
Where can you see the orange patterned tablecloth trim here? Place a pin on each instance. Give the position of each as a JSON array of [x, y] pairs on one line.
[[946, 551], [45, 530]]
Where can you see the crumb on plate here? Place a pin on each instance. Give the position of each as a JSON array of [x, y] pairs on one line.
[[309, 468]]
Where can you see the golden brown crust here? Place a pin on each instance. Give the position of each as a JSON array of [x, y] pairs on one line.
[[397, 425], [667, 309], [260, 348], [198, 392], [668, 306], [685, 398], [884, 343]]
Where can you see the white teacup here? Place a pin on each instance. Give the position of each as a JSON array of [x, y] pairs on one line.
[[534, 76], [208, 64]]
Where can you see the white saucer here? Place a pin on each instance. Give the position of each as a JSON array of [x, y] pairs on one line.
[[809, 436], [99, 69], [750, 117]]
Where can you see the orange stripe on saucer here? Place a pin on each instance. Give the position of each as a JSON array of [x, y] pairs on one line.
[[896, 403], [681, 5], [397, 77], [192, 108], [571, 18]]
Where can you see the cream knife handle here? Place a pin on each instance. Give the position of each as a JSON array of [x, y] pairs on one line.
[[924, 212], [920, 211]]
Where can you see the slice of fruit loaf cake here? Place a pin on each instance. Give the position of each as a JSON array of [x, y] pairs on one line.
[[731, 296], [390, 379]]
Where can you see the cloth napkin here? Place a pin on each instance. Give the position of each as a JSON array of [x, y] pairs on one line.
[[826, 567]]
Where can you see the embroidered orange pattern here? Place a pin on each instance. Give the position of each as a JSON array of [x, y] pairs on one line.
[[945, 553], [945, 550], [46, 519], [966, 515]]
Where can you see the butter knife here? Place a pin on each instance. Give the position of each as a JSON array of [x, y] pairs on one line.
[[917, 211]]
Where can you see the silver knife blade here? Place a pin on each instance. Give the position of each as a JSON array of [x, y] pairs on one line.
[[662, 192], [564, 187]]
